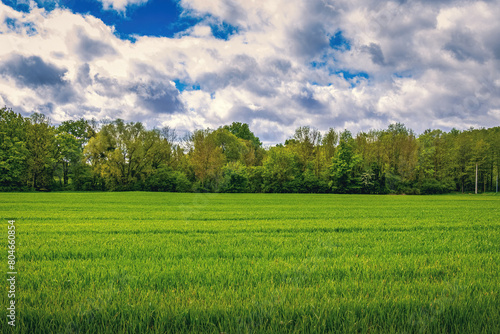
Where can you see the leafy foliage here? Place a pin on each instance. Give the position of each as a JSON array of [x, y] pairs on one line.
[[13, 151], [86, 155], [344, 171]]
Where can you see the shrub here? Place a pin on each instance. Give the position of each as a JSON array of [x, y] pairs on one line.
[[433, 186], [235, 178], [165, 179]]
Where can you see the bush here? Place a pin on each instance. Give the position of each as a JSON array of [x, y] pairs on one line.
[[235, 179], [310, 183], [165, 179], [433, 186], [411, 191], [255, 179], [182, 183], [82, 179], [393, 183]]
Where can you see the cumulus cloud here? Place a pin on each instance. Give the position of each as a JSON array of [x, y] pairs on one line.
[[32, 71], [89, 48], [121, 5], [376, 54], [43, 78], [158, 97], [276, 65]]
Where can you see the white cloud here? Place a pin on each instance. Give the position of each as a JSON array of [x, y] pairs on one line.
[[427, 64], [121, 5]]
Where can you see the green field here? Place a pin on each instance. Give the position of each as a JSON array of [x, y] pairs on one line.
[[252, 263]]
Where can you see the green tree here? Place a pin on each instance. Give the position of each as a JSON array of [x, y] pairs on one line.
[[462, 155], [480, 160], [281, 171], [69, 154], [232, 147], [42, 151], [241, 130], [81, 129], [401, 151], [124, 154], [13, 151], [71, 138], [235, 178], [253, 153], [207, 158], [306, 143], [344, 170], [255, 179], [329, 142]]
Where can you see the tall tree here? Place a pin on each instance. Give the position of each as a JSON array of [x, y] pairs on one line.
[[306, 143], [281, 171], [81, 129], [69, 153], [13, 151], [252, 153], [125, 153], [242, 130], [207, 158], [329, 142], [42, 152], [345, 166], [71, 138]]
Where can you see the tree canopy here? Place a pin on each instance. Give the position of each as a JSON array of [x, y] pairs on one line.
[[89, 155]]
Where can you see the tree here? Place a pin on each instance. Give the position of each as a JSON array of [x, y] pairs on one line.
[[306, 143], [255, 179], [241, 130], [71, 138], [345, 165], [480, 159], [13, 151], [81, 129], [232, 147], [253, 153], [42, 150], [401, 149], [366, 181], [462, 156], [207, 158], [69, 153], [124, 154], [310, 182], [127, 156], [281, 171], [329, 142], [235, 178]]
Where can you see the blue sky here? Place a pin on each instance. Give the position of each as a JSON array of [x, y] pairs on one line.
[[276, 65], [155, 18]]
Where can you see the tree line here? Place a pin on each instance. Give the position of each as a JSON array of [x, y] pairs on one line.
[[84, 155]]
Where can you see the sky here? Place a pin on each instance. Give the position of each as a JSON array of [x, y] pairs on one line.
[[274, 64]]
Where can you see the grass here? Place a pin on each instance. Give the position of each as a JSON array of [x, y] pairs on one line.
[[254, 263]]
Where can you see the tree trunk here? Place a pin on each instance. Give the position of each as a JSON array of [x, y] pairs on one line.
[[476, 179], [65, 173]]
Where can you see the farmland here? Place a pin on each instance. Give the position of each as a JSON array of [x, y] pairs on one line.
[[238, 263]]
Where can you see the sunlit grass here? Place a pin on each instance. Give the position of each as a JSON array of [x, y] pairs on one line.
[[138, 262]]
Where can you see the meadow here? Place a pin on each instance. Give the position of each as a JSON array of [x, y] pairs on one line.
[[139, 262]]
